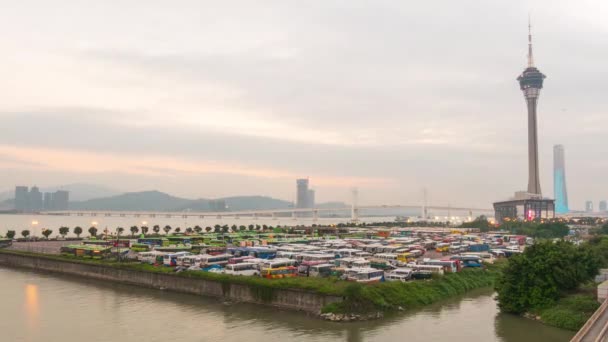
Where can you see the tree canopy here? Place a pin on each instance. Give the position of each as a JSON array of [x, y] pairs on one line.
[[537, 277]]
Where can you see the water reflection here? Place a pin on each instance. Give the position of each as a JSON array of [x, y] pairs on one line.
[[32, 307], [135, 314]]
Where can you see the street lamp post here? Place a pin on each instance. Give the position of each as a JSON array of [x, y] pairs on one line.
[[118, 244], [29, 238]]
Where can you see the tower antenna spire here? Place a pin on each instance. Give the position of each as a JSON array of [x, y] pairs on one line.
[[530, 56]]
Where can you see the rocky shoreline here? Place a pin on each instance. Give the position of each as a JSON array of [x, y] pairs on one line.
[[351, 317]]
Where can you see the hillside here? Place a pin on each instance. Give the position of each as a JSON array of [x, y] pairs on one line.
[[159, 201], [134, 201]]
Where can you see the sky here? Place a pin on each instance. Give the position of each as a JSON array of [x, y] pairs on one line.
[[211, 99]]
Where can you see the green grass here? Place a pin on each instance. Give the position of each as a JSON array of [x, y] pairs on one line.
[[570, 312], [390, 296]]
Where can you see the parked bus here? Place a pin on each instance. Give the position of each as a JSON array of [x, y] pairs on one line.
[[364, 275], [436, 269], [151, 241], [190, 260], [442, 248], [243, 268], [353, 263], [304, 267], [152, 257], [239, 260], [321, 270], [486, 257], [450, 266], [215, 250], [316, 257], [346, 252], [276, 263], [170, 259], [210, 260], [87, 251], [280, 272]]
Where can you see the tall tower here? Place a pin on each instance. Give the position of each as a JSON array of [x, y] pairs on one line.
[[559, 180], [531, 82]]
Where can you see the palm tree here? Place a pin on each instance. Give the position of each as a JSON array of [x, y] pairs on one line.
[[198, 229], [134, 230], [25, 233], [77, 231], [189, 230], [10, 234], [234, 228], [208, 229], [225, 229], [217, 228], [177, 230], [242, 228], [156, 229], [167, 229], [144, 230], [251, 227], [120, 230]]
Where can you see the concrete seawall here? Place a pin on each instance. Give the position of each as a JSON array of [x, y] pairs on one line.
[[288, 299]]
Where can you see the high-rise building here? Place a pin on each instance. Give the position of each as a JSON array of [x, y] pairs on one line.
[[603, 206], [589, 206], [311, 199], [531, 82], [35, 199], [559, 180], [60, 200], [32, 200], [47, 201], [21, 198], [302, 193]]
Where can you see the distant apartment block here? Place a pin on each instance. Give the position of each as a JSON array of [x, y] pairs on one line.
[[589, 206], [305, 197], [32, 200], [603, 206]]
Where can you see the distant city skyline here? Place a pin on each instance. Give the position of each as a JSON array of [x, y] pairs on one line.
[[368, 96]]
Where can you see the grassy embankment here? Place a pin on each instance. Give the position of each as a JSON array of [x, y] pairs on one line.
[[570, 312], [358, 298]]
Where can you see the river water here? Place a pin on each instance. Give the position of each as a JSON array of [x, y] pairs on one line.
[[35, 223], [40, 307]]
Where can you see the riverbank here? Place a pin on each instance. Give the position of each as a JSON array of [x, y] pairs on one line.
[[570, 312], [337, 300], [398, 296]]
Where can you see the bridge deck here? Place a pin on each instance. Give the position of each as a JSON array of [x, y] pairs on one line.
[[596, 328]]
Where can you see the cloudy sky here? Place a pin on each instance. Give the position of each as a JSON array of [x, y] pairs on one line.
[[219, 98]]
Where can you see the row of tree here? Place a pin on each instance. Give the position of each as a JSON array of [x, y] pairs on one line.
[[93, 231], [544, 230]]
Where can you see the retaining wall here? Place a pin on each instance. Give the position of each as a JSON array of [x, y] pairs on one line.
[[299, 300]]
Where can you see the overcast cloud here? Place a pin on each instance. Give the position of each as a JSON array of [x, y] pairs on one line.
[[209, 99]]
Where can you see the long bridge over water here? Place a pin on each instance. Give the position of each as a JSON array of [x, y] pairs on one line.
[[272, 213]]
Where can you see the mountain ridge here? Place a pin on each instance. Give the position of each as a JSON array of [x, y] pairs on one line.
[[154, 200]]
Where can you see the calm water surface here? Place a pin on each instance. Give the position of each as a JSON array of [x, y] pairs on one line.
[[42, 307], [21, 222]]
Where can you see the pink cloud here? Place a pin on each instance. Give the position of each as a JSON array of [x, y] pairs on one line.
[[81, 161]]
